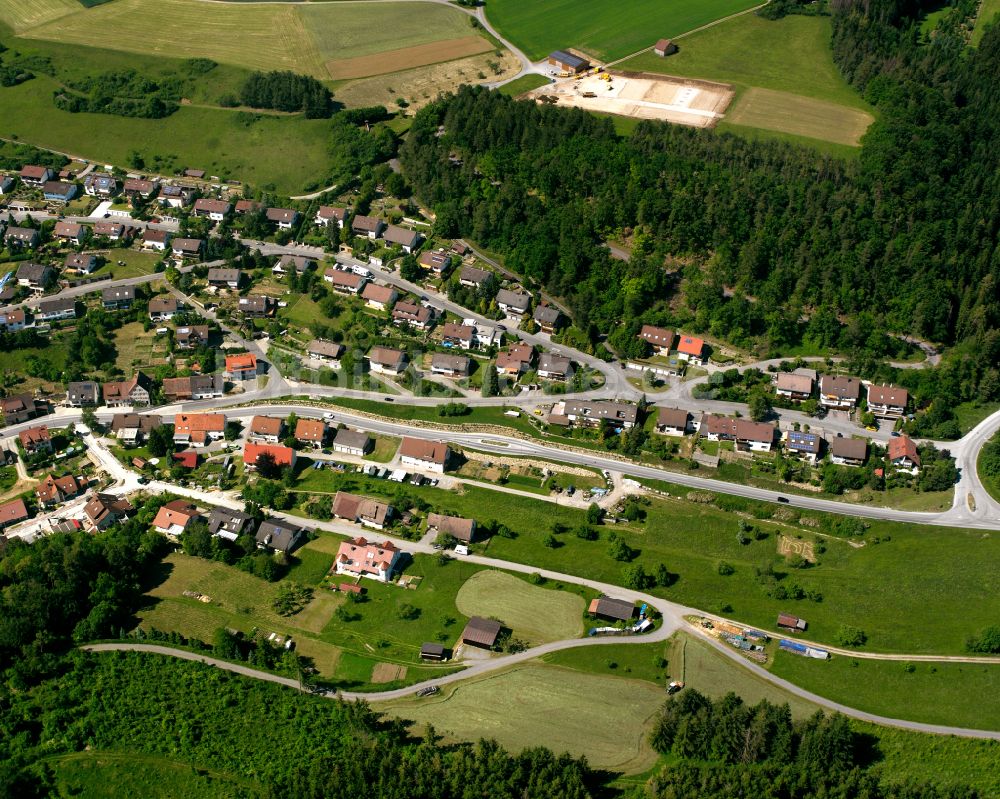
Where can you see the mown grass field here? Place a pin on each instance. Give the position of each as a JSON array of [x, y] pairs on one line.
[[605, 719], [21, 15], [534, 614], [936, 693], [302, 37], [601, 29], [800, 116]]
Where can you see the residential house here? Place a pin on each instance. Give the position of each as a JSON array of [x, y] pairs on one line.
[[128, 392], [554, 367], [887, 402], [515, 360], [805, 445], [36, 176], [369, 226], [547, 318], [311, 432], [839, 392], [327, 351], [848, 451], [242, 367], [173, 518], [590, 413], [607, 607], [430, 456], [36, 277], [81, 262], [672, 421], [103, 510], [480, 632], [113, 231], [133, 428], [437, 261], [397, 236], [139, 187], [279, 536], [100, 184], [359, 558], [187, 248], [19, 408], [35, 440], [379, 297], [55, 490], [71, 232], [225, 278], [386, 361], [330, 213], [194, 387], [747, 435], [59, 191], [344, 282], [231, 524], [903, 454], [412, 314], [453, 335], [116, 298], [691, 349], [284, 218], [198, 429], [177, 196], [83, 394], [189, 337], [244, 207], [568, 63], [513, 303], [283, 456], [13, 512], [56, 310], [267, 428], [365, 511], [163, 307], [352, 442], [19, 238], [457, 527], [794, 385], [155, 239], [215, 210], [455, 366], [286, 263], [659, 338], [13, 319], [256, 307], [472, 277]]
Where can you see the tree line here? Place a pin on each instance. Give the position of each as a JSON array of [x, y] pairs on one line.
[[287, 91]]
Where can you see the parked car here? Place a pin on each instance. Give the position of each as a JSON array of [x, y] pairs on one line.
[[428, 690], [782, 499]]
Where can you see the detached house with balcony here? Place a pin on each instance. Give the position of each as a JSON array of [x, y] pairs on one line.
[[887, 402], [840, 393]]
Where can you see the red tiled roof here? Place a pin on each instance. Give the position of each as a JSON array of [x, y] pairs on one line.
[[283, 456]]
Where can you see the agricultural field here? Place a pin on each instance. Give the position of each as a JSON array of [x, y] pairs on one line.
[[536, 615], [600, 29], [21, 16], [309, 38], [783, 72], [605, 719], [935, 693]]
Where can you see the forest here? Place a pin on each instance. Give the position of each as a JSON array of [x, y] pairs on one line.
[[763, 244], [287, 91]]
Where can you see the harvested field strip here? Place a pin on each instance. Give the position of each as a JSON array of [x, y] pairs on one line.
[[24, 14], [406, 58], [603, 718], [535, 614], [803, 116]]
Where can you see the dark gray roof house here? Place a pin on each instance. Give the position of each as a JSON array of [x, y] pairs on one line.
[[278, 535], [230, 524]]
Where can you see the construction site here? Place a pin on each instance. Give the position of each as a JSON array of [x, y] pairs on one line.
[[641, 95]]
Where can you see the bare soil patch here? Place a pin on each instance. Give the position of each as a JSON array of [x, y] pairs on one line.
[[406, 58], [793, 546], [387, 672]]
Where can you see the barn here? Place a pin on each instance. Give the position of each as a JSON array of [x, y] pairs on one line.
[[567, 62], [664, 47]]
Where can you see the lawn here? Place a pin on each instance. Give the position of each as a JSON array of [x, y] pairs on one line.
[[303, 38], [988, 12], [790, 55], [384, 450], [223, 142], [935, 693], [523, 84], [536, 615], [605, 719], [116, 774], [599, 28], [136, 263]]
